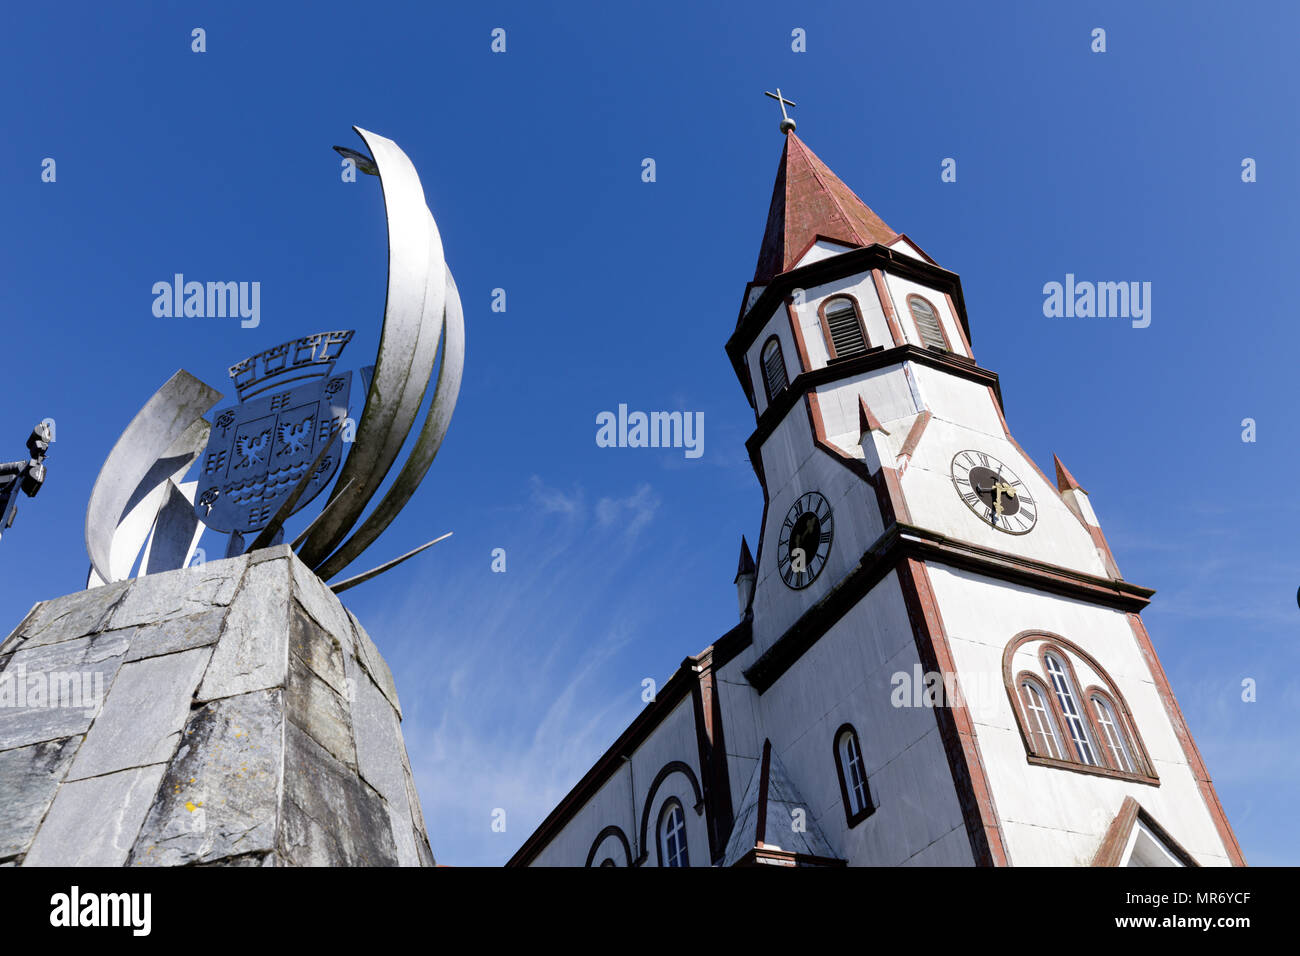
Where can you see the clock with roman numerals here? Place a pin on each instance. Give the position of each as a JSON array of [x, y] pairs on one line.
[[993, 492], [805, 541]]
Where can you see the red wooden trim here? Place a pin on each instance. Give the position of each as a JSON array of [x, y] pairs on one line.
[[956, 728], [1113, 844], [1115, 840], [771, 856], [938, 317], [956, 319], [889, 494], [800, 346], [887, 306], [711, 749], [826, 329], [914, 435], [1190, 751], [765, 768]]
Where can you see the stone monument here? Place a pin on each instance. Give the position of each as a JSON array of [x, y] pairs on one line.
[[233, 712]]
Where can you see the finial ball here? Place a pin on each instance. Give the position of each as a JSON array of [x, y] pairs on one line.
[[787, 125]]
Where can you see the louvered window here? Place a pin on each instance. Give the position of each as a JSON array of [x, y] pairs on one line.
[[773, 368], [844, 327], [927, 322]]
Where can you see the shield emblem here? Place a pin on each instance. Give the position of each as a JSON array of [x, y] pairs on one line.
[[259, 450]]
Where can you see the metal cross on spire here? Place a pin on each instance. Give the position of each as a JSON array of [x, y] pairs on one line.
[[787, 124]]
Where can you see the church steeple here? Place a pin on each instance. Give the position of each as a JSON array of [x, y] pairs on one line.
[[808, 201]]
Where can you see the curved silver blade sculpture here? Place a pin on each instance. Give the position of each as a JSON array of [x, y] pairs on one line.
[[139, 500]]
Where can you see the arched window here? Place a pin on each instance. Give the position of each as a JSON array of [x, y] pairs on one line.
[[1085, 726], [1076, 720], [1112, 731], [927, 322], [774, 378], [1045, 739], [672, 835], [843, 328], [853, 775]]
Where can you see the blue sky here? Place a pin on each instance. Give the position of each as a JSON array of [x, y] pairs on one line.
[[1117, 166]]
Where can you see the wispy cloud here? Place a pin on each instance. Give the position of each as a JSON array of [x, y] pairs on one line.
[[518, 674]]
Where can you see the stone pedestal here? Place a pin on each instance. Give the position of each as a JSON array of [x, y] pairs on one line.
[[229, 714]]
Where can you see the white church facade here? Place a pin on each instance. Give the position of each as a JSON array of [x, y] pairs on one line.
[[938, 662]]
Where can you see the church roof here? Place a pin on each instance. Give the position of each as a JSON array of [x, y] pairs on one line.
[[810, 202], [1064, 480], [746, 560], [765, 821]]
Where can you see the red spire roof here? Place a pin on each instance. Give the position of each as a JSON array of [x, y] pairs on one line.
[[808, 201], [1064, 480]]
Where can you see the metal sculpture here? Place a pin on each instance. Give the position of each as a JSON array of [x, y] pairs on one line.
[[271, 454], [26, 475]]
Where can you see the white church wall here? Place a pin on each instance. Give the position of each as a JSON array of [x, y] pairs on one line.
[[1057, 538], [610, 805], [958, 400], [822, 249], [847, 677], [793, 468], [888, 395], [621, 799], [1053, 816], [907, 249]]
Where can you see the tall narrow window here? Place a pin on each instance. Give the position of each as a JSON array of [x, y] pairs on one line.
[[1042, 725], [672, 835], [1112, 731], [843, 327], [927, 322], [1075, 720], [773, 368], [853, 775]]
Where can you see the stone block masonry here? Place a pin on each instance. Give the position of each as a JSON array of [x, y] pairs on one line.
[[229, 714]]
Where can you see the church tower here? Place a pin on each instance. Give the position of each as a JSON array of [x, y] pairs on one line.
[[938, 661], [929, 606]]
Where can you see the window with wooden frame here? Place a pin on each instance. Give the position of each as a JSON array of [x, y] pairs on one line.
[[1044, 737], [1064, 724], [928, 325], [842, 326], [852, 770], [773, 362], [1112, 730], [672, 835]]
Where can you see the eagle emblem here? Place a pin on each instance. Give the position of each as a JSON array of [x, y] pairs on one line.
[[251, 450]]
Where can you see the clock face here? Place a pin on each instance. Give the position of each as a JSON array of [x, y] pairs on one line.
[[805, 541], [993, 492]]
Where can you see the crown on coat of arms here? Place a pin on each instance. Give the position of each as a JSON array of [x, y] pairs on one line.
[[297, 361]]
